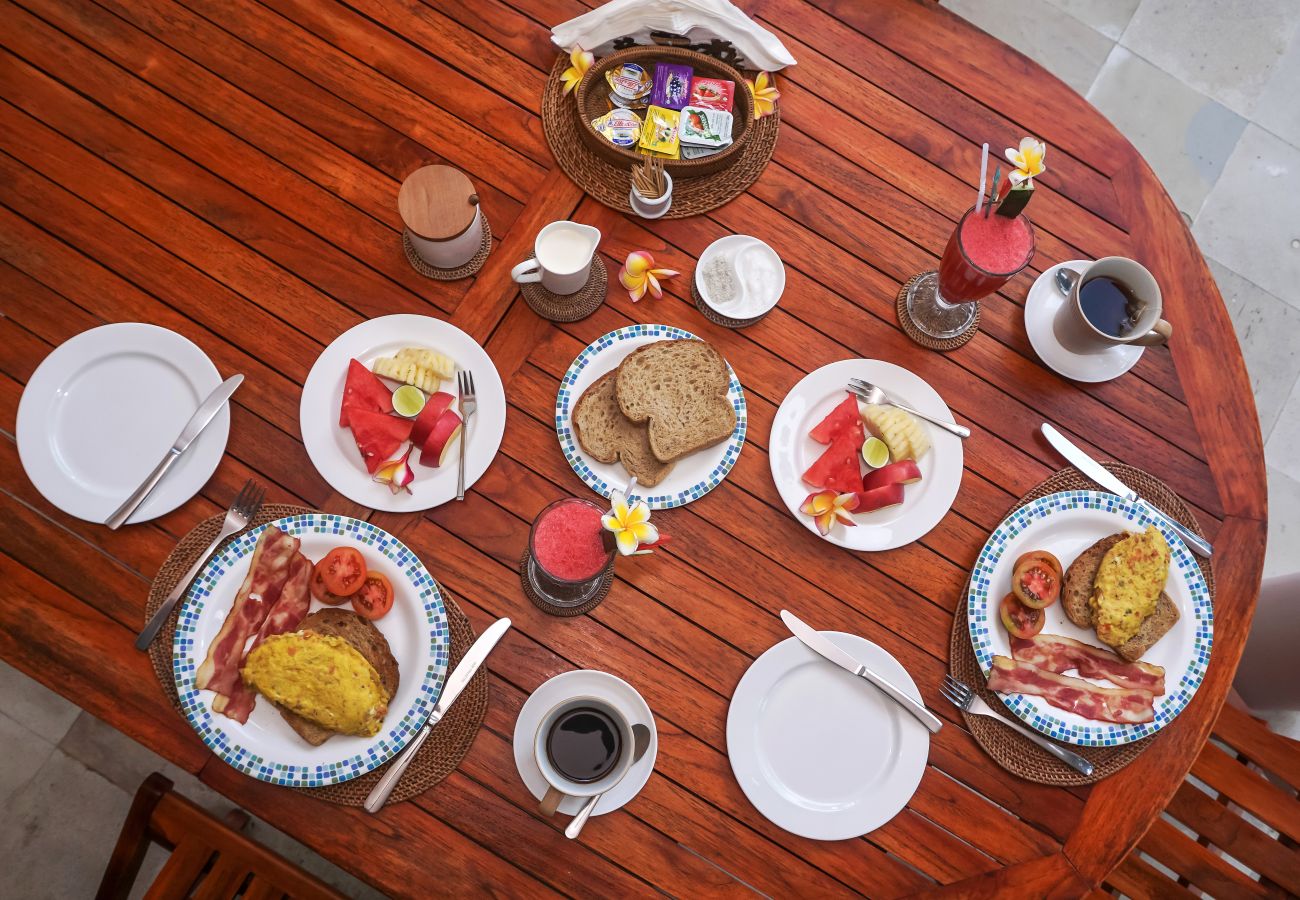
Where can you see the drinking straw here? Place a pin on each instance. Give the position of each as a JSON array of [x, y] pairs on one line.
[[984, 164]]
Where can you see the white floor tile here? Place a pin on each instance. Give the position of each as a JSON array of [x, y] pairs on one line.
[[1250, 221], [22, 753], [1110, 17], [1278, 108], [1280, 450], [1283, 554], [1185, 136], [1226, 49], [1066, 47], [34, 706]]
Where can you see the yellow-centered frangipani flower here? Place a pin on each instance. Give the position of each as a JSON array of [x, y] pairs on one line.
[[1029, 160], [581, 61], [640, 276], [828, 507], [630, 523], [764, 93]]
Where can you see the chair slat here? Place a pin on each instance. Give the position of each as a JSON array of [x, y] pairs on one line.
[[1140, 880], [1226, 829], [1280, 755], [263, 888], [224, 880], [178, 874], [1248, 789], [1198, 864]]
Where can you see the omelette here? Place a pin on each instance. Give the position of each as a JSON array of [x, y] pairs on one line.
[[1128, 585], [320, 677]]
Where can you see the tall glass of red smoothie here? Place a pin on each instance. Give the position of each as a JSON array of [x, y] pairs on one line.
[[569, 553], [984, 252]]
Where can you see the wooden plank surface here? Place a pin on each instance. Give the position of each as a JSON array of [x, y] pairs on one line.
[[229, 170]]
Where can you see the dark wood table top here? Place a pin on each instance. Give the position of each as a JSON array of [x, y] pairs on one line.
[[229, 170]]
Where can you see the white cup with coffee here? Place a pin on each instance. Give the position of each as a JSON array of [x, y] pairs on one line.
[[1113, 301], [562, 256], [583, 747]]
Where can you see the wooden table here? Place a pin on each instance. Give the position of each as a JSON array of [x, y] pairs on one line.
[[229, 170]]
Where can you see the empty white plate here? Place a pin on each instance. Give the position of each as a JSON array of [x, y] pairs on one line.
[[819, 751], [102, 410]]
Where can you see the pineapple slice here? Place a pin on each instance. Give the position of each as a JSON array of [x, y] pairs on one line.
[[903, 434], [407, 373], [440, 364]]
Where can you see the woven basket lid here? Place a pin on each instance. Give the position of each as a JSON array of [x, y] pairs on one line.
[[437, 203]]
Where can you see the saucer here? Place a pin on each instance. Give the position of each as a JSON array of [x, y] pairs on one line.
[[584, 682], [1041, 307]]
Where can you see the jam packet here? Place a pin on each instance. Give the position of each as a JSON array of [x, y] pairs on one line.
[[672, 86], [620, 127], [629, 81], [659, 133], [713, 93], [705, 127]]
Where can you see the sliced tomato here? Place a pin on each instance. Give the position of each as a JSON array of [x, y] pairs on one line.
[[342, 571], [1046, 557], [843, 419], [322, 593], [1035, 582], [378, 436], [375, 598], [363, 390], [1020, 620]]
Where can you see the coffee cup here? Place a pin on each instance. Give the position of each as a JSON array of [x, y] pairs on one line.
[[562, 256], [1112, 302], [583, 747]]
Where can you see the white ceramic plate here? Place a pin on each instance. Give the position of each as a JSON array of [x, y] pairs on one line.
[[334, 452], [1065, 524], [791, 452], [103, 409], [1042, 305], [265, 746], [819, 751], [693, 476], [751, 301], [584, 683]]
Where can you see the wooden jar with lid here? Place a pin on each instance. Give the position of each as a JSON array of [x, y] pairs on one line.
[[442, 217]]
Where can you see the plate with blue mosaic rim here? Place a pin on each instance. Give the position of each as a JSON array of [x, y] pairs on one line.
[[693, 476], [265, 747], [1066, 524]]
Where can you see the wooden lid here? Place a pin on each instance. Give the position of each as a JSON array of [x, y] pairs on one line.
[[437, 202]]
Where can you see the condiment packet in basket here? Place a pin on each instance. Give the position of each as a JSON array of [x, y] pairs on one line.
[[659, 133], [705, 127], [620, 127], [713, 93], [672, 86], [692, 152], [629, 81]]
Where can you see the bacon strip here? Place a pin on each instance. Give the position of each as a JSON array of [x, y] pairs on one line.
[[1124, 706], [1060, 654]]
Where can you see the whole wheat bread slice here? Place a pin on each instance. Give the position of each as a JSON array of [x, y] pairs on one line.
[[679, 387], [608, 436], [367, 640], [1077, 590]]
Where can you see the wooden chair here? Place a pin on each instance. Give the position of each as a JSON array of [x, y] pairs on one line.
[[1258, 777], [210, 859]]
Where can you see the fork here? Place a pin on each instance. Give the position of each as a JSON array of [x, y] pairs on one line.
[[245, 508], [967, 700], [468, 404], [875, 396]]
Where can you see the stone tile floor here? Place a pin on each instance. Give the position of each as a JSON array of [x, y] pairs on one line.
[[1206, 89]]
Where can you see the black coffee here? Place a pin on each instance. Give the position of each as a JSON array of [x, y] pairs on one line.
[[1110, 306], [584, 744]]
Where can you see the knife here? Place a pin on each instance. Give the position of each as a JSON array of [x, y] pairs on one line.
[[1094, 470], [206, 412], [822, 646], [464, 671]]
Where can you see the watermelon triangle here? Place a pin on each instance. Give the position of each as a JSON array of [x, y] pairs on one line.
[[837, 468], [378, 436], [363, 390]]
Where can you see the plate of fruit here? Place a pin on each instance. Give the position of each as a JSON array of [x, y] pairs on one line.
[[380, 416], [864, 477]]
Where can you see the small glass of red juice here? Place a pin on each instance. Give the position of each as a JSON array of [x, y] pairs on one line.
[[983, 253], [569, 552]]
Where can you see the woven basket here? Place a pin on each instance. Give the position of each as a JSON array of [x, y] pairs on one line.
[[593, 102]]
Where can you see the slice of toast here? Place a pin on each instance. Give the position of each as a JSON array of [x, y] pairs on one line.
[[1154, 627], [608, 436], [1077, 589], [679, 387], [367, 640]]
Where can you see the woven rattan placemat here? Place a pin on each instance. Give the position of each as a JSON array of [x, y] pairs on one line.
[[569, 307], [565, 612], [441, 753], [470, 268], [718, 318], [909, 327], [1012, 751], [610, 183]]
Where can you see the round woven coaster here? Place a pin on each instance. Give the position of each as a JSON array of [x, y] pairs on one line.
[[609, 183], [564, 612], [441, 753], [716, 317], [916, 334], [470, 268], [1013, 751], [569, 307]]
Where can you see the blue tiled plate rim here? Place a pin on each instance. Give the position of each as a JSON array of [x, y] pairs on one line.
[[400, 726], [564, 400], [1181, 687]]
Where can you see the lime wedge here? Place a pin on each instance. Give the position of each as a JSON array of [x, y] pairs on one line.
[[408, 400], [874, 451]]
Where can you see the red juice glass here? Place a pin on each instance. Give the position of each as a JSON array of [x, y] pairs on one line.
[[569, 552], [983, 253]]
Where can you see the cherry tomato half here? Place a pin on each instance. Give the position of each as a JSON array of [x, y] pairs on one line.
[[342, 570], [375, 597], [1035, 583], [1020, 620], [1046, 557], [322, 593]]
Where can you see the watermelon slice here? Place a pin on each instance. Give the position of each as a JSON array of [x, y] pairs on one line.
[[841, 420], [837, 468], [378, 436], [363, 390], [435, 406]]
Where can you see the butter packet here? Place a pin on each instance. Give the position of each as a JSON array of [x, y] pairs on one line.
[[705, 127], [659, 133], [620, 127], [629, 81]]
